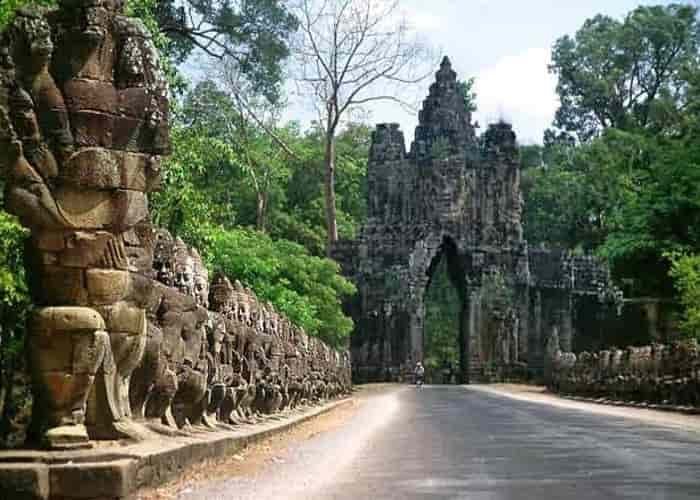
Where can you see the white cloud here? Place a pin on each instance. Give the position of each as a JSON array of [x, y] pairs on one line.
[[422, 21], [519, 89]]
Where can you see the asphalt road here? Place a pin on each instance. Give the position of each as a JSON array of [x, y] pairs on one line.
[[453, 442]]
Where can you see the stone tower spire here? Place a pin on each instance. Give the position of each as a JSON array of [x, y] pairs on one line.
[[444, 115]]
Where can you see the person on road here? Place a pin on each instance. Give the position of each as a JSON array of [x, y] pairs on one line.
[[419, 373]]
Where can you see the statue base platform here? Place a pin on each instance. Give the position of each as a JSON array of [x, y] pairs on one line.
[[118, 469]]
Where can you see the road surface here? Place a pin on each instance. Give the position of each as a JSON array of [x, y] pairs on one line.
[[451, 442]]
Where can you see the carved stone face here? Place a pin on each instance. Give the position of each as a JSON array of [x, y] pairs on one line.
[[183, 268], [31, 43], [222, 295], [163, 257], [201, 281]]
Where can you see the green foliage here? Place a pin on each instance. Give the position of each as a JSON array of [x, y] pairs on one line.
[[659, 212], [221, 167], [8, 8], [14, 305], [308, 289], [302, 215], [441, 334], [626, 75], [255, 34], [13, 289], [628, 187], [466, 90], [685, 272], [572, 196], [146, 11]]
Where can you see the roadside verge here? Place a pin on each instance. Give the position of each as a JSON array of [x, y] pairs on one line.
[[117, 471]]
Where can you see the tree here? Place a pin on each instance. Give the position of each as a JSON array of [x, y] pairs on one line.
[[248, 129], [685, 272], [349, 51], [302, 217], [308, 290], [253, 33], [466, 88], [626, 75]]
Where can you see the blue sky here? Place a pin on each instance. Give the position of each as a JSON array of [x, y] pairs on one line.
[[505, 44]]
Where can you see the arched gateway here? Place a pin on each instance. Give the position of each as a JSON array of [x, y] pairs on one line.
[[456, 196]]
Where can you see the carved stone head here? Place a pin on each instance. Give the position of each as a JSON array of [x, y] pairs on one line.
[[164, 257], [222, 295], [183, 264], [201, 280], [29, 39]]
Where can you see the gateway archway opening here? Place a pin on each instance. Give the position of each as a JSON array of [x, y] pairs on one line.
[[444, 346]]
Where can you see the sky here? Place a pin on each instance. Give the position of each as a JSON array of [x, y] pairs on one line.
[[505, 45]]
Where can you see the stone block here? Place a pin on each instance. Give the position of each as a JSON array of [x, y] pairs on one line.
[[67, 391], [88, 352], [49, 241], [90, 95], [118, 209], [92, 129], [133, 208], [128, 349], [135, 172], [126, 134], [93, 168], [123, 317], [86, 249], [48, 258], [106, 286], [142, 292], [132, 101], [105, 169], [114, 479], [51, 350], [67, 319], [24, 481], [62, 286]]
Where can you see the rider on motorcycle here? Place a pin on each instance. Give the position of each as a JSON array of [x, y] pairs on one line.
[[419, 373]]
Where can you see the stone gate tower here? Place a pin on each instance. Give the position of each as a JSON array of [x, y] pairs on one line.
[[456, 196]]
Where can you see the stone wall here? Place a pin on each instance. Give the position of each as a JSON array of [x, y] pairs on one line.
[[127, 334], [455, 195], [663, 374]]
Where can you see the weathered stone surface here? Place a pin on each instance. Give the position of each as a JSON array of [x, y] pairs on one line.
[[654, 374], [79, 170], [24, 481], [456, 196], [124, 338], [107, 286], [114, 479]]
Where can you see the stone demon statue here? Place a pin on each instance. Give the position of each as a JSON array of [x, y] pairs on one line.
[[122, 342], [83, 124]]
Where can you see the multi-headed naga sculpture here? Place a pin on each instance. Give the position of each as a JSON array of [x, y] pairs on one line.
[[121, 340]]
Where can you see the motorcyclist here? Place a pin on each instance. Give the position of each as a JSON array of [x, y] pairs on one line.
[[419, 373]]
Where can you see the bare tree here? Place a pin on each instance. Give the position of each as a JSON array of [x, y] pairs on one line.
[[352, 53], [253, 130]]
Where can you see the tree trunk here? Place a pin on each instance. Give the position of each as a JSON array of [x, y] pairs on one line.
[[260, 210], [329, 190]]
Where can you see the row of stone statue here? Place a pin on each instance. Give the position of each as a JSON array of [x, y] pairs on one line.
[[218, 353], [123, 337], [657, 373]]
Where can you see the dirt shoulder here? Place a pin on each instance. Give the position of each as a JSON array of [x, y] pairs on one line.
[[540, 395], [266, 452]]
